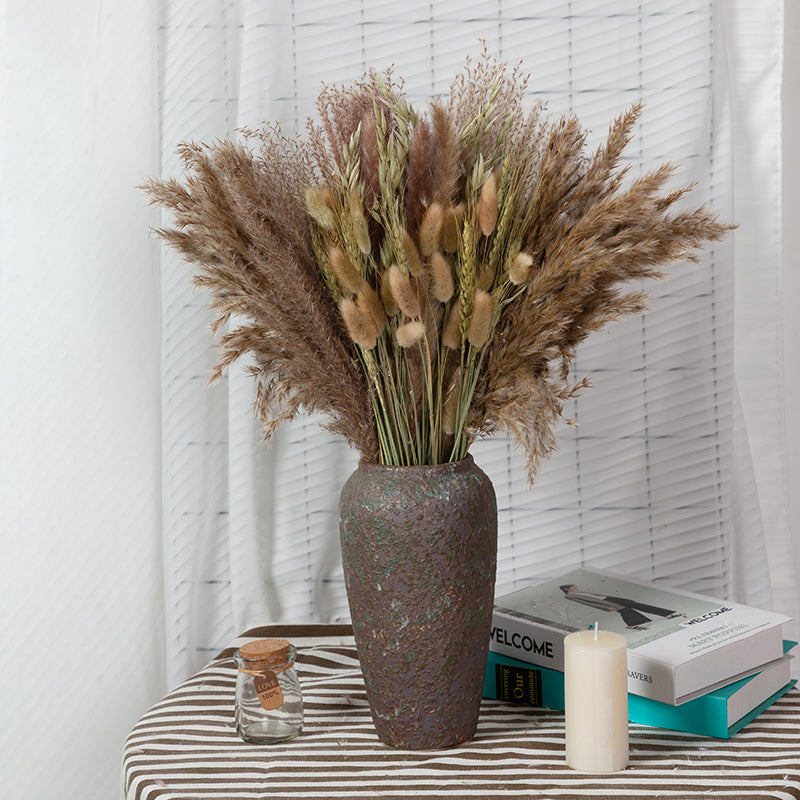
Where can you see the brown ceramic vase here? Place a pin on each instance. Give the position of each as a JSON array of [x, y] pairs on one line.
[[419, 550]]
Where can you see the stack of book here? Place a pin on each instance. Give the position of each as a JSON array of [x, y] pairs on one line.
[[695, 664]]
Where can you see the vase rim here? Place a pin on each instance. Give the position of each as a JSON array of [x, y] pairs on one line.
[[448, 465]]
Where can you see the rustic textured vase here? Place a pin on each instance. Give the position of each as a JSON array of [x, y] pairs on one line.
[[419, 550]]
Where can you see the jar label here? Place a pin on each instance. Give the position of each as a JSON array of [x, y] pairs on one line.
[[268, 690]]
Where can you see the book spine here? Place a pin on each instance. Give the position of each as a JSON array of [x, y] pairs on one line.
[[527, 641], [519, 682], [523, 684], [731, 658], [533, 642], [651, 680]]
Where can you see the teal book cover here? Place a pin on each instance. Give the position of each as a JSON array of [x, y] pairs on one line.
[[718, 714]]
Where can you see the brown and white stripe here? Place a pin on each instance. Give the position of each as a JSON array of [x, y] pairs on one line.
[[186, 747]]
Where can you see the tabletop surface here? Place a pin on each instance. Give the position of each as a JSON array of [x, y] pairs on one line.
[[186, 747]]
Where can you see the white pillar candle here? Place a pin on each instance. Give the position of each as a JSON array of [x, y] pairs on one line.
[[596, 701]]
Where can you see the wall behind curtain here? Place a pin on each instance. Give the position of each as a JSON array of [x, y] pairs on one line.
[[85, 117], [80, 529]]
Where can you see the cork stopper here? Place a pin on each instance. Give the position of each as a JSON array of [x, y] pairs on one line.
[[265, 653]]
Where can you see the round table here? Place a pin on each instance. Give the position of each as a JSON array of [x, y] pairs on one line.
[[186, 747]]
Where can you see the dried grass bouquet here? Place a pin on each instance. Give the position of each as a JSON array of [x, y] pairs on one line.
[[422, 278]]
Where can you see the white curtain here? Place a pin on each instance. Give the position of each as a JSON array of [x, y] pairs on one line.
[[754, 35], [657, 480]]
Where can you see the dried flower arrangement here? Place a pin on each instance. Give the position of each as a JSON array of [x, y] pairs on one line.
[[423, 279]]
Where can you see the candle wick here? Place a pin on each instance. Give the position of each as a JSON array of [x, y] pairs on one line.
[[596, 625]]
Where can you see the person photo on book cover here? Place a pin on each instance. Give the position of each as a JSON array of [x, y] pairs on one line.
[[632, 611]]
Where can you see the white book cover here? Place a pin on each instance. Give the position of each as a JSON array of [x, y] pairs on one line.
[[758, 688], [680, 644]]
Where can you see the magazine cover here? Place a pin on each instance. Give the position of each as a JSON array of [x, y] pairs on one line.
[[680, 644]]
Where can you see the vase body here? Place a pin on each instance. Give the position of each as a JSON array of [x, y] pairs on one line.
[[419, 552]]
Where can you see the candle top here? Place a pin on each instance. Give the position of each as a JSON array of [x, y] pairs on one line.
[[597, 639]]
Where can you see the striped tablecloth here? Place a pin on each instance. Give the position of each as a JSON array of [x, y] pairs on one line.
[[186, 747]]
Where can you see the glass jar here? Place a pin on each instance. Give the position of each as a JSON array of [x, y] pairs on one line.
[[269, 703]]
